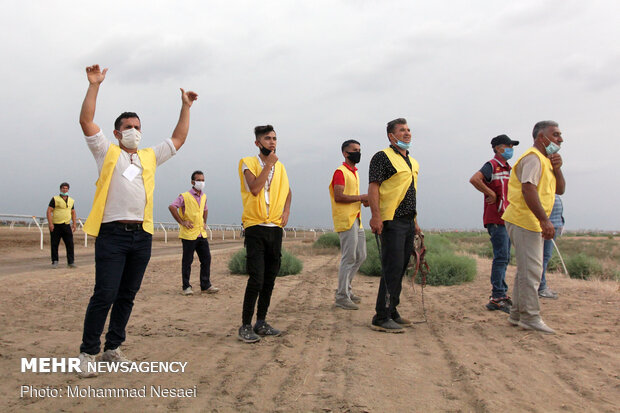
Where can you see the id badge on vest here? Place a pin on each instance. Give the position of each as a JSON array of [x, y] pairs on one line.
[[131, 172]]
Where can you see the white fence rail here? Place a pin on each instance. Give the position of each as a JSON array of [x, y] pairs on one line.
[[225, 230]]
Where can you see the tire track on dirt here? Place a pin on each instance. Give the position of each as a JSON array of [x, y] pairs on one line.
[[312, 349], [246, 379], [459, 373]]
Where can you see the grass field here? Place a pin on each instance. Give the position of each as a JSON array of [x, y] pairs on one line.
[[604, 250]]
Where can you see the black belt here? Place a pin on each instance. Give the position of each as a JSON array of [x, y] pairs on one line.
[[137, 226]]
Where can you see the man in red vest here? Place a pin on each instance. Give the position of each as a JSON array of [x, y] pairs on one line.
[[492, 181]]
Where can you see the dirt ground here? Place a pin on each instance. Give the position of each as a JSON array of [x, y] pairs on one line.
[[465, 359]]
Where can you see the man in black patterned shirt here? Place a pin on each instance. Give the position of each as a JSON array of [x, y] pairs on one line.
[[393, 177]]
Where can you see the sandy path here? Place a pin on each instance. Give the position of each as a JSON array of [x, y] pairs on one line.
[[464, 359]]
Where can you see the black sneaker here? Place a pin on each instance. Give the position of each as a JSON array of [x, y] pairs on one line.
[[247, 335], [264, 329], [403, 321], [387, 326], [501, 303]]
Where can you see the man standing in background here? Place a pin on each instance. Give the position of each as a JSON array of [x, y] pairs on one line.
[[190, 210], [492, 181], [344, 193], [61, 212], [557, 219]]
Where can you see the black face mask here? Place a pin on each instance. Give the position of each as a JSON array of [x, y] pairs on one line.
[[265, 151], [354, 156]]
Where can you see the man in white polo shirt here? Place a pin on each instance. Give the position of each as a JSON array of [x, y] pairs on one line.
[[121, 217]]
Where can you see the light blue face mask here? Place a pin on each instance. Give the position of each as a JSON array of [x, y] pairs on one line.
[[403, 145], [552, 147], [64, 194], [507, 154]]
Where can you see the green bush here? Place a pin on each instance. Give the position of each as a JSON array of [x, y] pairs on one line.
[[449, 269], [372, 265], [329, 240], [290, 264], [555, 264], [582, 266], [438, 243]]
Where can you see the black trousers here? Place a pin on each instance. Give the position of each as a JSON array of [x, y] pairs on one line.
[[396, 246], [201, 246], [62, 231], [122, 254], [264, 252]]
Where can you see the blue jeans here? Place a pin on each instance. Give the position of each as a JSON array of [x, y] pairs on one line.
[[501, 258], [547, 253], [121, 257]]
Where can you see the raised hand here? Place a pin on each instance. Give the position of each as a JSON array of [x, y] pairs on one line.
[[556, 161], [271, 159], [188, 97], [95, 75]]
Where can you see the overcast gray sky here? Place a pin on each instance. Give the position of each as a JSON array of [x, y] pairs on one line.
[[320, 72]]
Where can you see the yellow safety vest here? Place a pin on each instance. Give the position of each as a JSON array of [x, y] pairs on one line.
[[518, 213], [392, 191], [62, 210], [255, 207], [195, 214], [344, 214], [149, 164]]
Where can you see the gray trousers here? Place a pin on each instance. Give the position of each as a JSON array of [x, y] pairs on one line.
[[353, 249], [529, 254]]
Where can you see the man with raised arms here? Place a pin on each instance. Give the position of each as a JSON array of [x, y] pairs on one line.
[[121, 217]]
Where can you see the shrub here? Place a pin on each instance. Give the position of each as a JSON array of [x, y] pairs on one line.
[[438, 243], [582, 266], [555, 264], [290, 264], [372, 265], [329, 240], [484, 250], [449, 269]]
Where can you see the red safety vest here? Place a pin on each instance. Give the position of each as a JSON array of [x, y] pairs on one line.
[[499, 185]]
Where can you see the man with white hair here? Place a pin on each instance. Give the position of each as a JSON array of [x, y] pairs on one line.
[[535, 179]]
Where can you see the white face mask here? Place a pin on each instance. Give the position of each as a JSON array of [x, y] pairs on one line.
[[131, 138], [199, 185]]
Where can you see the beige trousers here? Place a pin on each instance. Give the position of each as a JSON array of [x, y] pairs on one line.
[[529, 255]]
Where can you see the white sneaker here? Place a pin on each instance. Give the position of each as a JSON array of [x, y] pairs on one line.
[[548, 293], [86, 358], [211, 290], [114, 356], [537, 326], [188, 291]]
